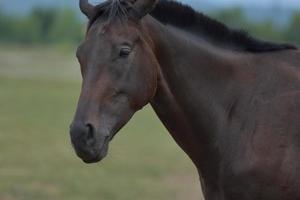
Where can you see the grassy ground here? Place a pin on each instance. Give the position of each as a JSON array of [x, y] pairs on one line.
[[38, 93]]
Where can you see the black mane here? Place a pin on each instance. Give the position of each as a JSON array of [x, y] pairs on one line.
[[185, 17]]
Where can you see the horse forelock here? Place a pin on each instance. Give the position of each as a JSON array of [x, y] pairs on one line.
[[110, 10]]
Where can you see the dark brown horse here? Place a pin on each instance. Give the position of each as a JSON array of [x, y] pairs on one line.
[[230, 101]]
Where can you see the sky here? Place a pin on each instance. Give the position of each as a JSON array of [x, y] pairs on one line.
[[23, 6], [222, 3], [256, 2]]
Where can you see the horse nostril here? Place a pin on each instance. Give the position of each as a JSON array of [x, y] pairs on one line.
[[90, 134], [82, 132]]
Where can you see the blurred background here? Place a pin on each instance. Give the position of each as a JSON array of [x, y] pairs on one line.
[[39, 87]]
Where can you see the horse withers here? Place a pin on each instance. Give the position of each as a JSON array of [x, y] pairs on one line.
[[229, 100]]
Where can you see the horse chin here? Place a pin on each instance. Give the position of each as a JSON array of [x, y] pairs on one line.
[[95, 157]]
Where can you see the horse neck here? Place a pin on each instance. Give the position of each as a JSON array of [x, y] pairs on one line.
[[192, 97]]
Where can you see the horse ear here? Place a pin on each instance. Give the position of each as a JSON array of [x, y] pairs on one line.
[[142, 7], [87, 8]]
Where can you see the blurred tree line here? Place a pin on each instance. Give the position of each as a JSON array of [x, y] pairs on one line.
[[52, 25], [42, 25], [266, 29]]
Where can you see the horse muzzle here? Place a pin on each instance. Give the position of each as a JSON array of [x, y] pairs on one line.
[[89, 144]]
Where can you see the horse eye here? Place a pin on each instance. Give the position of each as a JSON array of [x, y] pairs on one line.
[[125, 52]]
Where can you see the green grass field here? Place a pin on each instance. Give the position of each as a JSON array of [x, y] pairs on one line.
[[38, 93]]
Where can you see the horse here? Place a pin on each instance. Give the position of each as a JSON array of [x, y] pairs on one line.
[[229, 100]]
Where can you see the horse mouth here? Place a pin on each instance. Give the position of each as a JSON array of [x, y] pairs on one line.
[[92, 160], [92, 155]]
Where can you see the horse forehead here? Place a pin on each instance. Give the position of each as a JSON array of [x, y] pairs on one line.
[[97, 28], [117, 30], [105, 25]]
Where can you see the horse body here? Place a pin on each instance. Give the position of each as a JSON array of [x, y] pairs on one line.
[[235, 114], [231, 102]]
